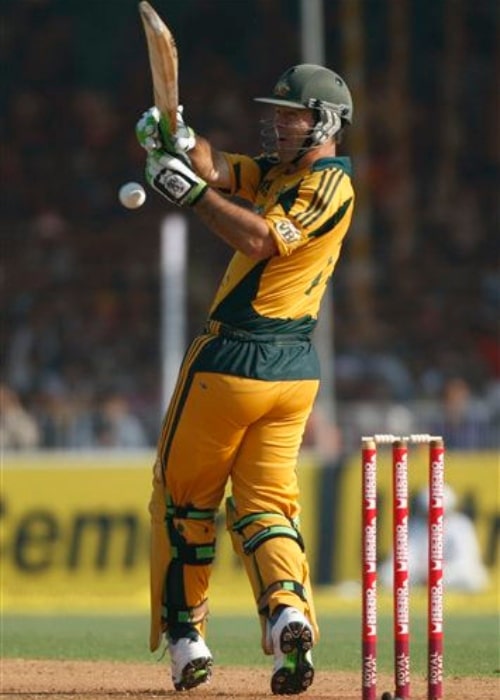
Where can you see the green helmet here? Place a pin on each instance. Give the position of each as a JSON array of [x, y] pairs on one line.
[[310, 86]]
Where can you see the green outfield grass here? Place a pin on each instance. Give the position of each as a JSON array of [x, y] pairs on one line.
[[471, 642]]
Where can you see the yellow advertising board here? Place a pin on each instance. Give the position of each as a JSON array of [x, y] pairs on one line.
[[75, 532], [75, 526]]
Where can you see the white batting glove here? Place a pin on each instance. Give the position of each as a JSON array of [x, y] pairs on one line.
[[173, 178], [147, 130], [153, 132], [184, 137]]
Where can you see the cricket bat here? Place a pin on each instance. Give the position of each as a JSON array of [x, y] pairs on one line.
[[163, 63]]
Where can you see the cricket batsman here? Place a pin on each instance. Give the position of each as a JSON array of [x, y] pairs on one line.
[[248, 382]]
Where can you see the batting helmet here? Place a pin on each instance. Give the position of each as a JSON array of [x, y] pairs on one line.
[[308, 86]]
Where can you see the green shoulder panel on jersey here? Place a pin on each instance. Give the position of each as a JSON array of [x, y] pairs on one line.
[[328, 185], [339, 163], [288, 197], [265, 164]]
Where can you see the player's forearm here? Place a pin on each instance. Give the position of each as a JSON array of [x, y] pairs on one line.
[[210, 164], [240, 228]]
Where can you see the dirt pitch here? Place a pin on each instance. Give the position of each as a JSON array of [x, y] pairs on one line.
[[87, 680]]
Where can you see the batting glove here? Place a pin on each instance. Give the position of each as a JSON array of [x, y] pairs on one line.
[[147, 130], [153, 132], [173, 178], [184, 137]]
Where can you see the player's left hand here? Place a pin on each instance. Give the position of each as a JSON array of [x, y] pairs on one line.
[[147, 131], [153, 133], [173, 178]]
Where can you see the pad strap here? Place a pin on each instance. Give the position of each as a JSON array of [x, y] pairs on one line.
[[266, 533], [190, 616], [293, 586], [193, 554], [187, 512], [186, 552]]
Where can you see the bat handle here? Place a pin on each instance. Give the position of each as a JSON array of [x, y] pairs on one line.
[[166, 133]]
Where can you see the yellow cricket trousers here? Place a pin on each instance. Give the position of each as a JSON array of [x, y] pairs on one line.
[[221, 427]]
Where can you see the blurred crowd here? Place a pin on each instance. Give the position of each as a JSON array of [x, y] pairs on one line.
[[416, 307]]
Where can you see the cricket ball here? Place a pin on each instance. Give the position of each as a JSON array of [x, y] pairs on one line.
[[132, 195]]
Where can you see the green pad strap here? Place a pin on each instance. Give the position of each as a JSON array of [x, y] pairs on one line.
[[196, 555], [185, 552], [189, 616], [242, 523], [188, 512], [267, 533], [293, 586]]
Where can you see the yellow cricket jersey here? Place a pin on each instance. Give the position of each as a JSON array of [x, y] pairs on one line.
[[278, 299]]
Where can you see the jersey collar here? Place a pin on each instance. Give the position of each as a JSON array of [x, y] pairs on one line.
[[341, 162]]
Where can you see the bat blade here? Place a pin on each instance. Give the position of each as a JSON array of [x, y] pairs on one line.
[[163, 62]]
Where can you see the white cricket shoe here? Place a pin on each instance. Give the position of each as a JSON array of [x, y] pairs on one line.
[[190, 662], [292, 639]]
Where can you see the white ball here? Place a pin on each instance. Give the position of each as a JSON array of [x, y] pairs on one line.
[[132, 195]]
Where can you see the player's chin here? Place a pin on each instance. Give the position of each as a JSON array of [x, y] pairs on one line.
[[286, 152]]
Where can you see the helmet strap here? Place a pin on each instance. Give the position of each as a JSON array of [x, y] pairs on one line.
[[328, 124]]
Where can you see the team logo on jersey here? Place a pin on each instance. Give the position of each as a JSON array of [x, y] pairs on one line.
[[287, 231]]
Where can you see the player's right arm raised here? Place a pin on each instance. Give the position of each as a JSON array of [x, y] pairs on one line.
[[210, 164], [242, 229]]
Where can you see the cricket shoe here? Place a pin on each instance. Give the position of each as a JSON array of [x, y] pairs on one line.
[[292, 640], [190, 662]]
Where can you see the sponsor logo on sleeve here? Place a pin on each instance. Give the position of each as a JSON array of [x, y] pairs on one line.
[[287, 231]]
